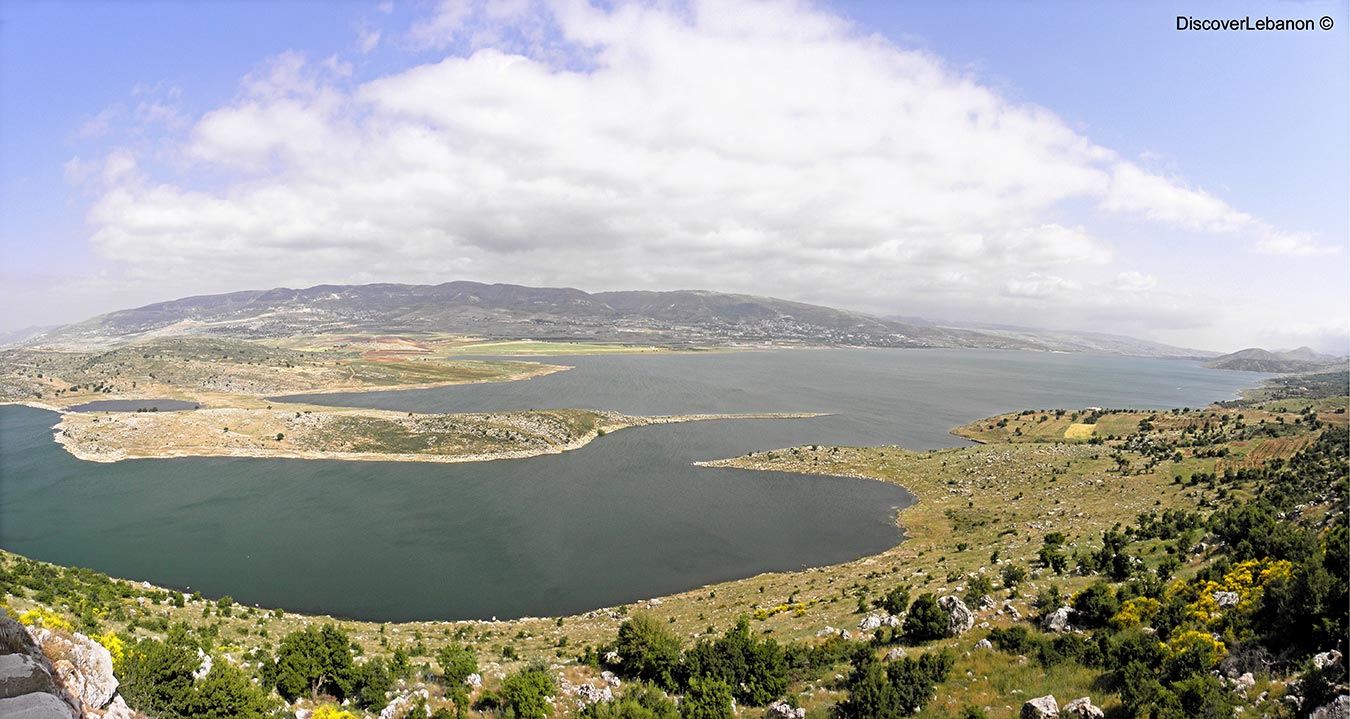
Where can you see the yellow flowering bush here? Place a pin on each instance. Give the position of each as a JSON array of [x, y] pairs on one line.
[[39, 617], [1135, 612], [328, 711], [797, 608], [114, 644]]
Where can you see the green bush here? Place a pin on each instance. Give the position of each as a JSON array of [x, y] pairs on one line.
[[524, 693], [707, 699], [649, 650], [755, 669], [927, 620]]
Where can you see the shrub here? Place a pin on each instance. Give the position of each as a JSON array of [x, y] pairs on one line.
[[756, 669], [707, 699], [524, 693], [927, 620], [649, 650], [896, 601]]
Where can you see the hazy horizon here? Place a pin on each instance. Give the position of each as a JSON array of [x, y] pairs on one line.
[[1084, 167]]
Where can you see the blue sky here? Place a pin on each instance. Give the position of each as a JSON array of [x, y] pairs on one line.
[[1074, 165]]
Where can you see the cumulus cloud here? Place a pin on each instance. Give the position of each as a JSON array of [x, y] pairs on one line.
[[738, 145]]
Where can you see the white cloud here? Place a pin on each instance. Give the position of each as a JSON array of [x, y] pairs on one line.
[[367, 39], [736, 145], [1167, 200], [98, 125], [1297, 245]]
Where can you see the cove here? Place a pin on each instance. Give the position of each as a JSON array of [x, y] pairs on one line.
[[624, 518]]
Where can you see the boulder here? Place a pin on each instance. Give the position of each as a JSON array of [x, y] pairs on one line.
[[892, 621], [474, 680], [984, 644], [1326, 659], [1010, 610], [1040, 708], [1060, 620], [22, 674], [119, 710], [36, 705], [86, 669], [1244, 683], [894, 654], [782, 710], [828, 631], [1339, 708], [1226, 599], [962, 619], [203, 665], [590, 695], [870, 622], [610, 678], [612, 657], [987, 602], [1082, 709]]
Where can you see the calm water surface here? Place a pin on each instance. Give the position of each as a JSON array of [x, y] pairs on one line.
[[625, 518]]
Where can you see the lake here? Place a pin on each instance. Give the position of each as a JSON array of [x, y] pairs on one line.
[[624, 518]]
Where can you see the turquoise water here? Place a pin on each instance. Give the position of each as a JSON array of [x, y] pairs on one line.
[[624, 518]]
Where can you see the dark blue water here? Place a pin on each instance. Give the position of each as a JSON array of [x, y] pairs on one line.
[[625, 518]]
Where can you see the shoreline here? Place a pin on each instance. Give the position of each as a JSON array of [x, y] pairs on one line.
[[607, 422]]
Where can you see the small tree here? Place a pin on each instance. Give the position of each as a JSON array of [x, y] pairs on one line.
[[314, 661], [648, 650], [927, 619], [524, 694], [707, 699], [896, 601]]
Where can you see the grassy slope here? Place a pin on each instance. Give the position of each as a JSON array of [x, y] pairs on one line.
[[1002, 496]]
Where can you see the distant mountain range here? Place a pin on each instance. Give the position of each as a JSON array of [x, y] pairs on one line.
[[1254, 359], [680, 318]]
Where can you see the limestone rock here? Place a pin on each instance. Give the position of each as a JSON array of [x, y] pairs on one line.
[[870, 622], [1040, 708], [1009, 609], [1326, 659], [962, 619], [987, 602], [782, 710], [36, 705], [1060, 620], [1226, 599], [1339, 708], [203, 666], [894, 654], [1082, 709], [86, 670], [612, 657], [610, 678], [22, 674], [474, 680], [984, 644], [591, 695], [119, 710], [1244, 683], [401, 705]]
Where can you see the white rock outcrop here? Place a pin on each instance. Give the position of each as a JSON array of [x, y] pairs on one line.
[[962, 619], [1060, 620], [1082, 708], [1040, 708], [86, 667]]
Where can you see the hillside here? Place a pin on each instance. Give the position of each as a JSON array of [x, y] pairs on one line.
[[1255, 359], [510, 311], [1077, 341]]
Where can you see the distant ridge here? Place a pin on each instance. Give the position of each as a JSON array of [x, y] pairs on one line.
[[679, 318], [1255, 359], [504, 311]]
